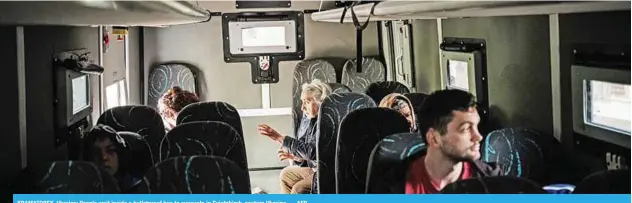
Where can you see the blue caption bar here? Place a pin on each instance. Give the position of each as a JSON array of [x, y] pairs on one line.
[[364, 198]]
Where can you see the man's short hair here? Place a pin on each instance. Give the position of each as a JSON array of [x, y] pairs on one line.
[[436, 110]]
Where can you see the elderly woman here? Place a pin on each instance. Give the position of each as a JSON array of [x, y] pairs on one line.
[[170, 104], [402, 104], [298, 179]]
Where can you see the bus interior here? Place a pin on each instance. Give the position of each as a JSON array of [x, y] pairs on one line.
[[551, 81]]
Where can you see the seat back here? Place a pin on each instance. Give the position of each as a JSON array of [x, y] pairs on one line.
[[338, 88], [211, 111], [143, 120], [417, 99], [494, 185], [142, 157], [521, 152], [165, 76], [372, 71], [378, 90], [359, 132], [389, 161], [304, 72], [69, 177], [195, 175], [205, 138], [332, 110], [605, 182]]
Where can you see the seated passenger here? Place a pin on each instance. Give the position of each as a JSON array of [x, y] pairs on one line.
[[449, 120], [298, 179], [402, 104], [103, 146], [170, 104]]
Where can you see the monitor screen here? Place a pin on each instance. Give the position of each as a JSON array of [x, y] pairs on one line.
[[263, 36], [458, 75], [79, 93], [607, 105]]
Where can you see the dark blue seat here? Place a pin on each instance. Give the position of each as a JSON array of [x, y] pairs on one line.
[[68, 177], [359, 132], [211, 111], [522, 153], [195, 175], [605, 182], [390, 160], [142, 120], [378, 90], [332, 110], [494, 185], [205, 138]]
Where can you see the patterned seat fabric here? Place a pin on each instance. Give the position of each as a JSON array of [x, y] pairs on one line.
[[359, 132], [523, 153], [211, 111], [142, 120], [205, 138], [378, 90], [605, 182], [372, 71], [69, 177], [304, 72], [338, 88], [335, 107], [195, 175], [165, 76], [390, 160], [494, 185], [141, 155]]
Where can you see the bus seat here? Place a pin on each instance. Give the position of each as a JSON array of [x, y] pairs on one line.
[[143, 120], [417, 99], [359, 132], [521, 152], [389, 162], [332, 110], [142, 157], [165, 76], [338, 88], [372, 71], [304, 72], [605, 182], [195, 175], [205, 138], [69, 177], [379, 90], [211, 111], [493, 185]]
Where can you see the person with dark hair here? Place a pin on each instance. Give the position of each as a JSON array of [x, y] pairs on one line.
[[105, 147], [449, 121], [401, 104], [172, 102]]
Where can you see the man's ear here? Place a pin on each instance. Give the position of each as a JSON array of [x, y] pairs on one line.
[[432, 137]]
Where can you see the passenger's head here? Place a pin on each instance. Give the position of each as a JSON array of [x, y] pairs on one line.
[[103, 146], [449, 120], [312, 95], [174, 100], [401, 104]]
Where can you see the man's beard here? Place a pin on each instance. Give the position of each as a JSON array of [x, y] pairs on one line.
[[454, 155]]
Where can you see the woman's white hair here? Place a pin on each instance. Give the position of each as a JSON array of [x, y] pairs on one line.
[[316, 89]]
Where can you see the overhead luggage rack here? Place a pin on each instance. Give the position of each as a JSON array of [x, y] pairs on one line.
[[402, 10]]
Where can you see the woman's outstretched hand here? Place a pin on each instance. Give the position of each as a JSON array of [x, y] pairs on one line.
[[267, 131], [286, 155]]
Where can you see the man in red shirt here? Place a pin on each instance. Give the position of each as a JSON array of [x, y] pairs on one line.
[[449, 120]]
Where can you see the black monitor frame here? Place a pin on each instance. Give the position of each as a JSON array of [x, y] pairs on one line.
[[582, 73], [64, 117]]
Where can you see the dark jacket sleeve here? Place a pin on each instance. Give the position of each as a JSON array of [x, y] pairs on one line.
[[301, 147]]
